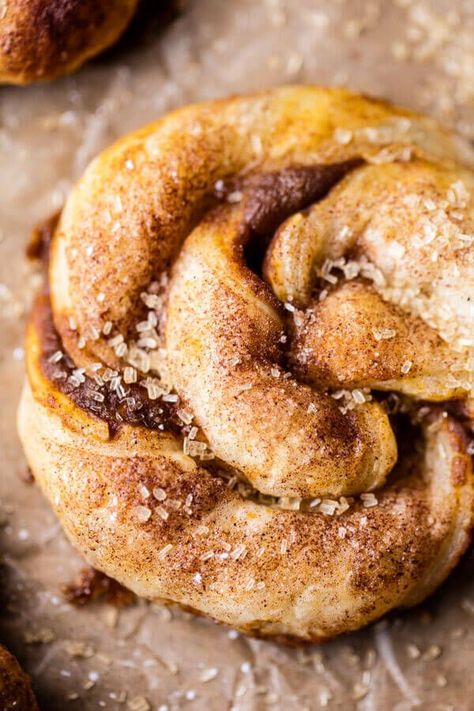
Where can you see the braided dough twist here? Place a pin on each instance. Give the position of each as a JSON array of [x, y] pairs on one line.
[[265, 268], [43, 40]]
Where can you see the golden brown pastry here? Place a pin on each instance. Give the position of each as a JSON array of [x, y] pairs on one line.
[[238, 295], [15, 688], [43, 39]]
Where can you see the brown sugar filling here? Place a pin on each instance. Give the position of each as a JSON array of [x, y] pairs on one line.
[[102, 402]]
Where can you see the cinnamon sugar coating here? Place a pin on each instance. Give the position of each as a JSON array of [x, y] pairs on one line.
[[237, 289], [43, 40], [15, 688]]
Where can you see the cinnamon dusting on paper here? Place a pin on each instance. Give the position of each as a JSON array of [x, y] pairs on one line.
[[92, 585]]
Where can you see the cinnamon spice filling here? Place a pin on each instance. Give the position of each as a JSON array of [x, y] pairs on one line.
[[102, 402]]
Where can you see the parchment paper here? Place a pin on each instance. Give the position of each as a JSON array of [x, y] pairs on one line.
[[418, 53]]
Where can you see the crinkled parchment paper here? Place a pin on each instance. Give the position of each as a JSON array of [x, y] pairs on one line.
[[419, 53]]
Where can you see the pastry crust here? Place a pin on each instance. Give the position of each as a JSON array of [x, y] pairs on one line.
[[15, 689], [242, 208], [43, 40]]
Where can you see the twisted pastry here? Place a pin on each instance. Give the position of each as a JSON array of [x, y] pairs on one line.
[[43, 40], [238, 294], [15, 688]]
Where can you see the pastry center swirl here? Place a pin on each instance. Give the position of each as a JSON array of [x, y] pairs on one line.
[[255, 346]]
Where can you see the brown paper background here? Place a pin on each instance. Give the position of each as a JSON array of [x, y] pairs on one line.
[[418, 53]]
